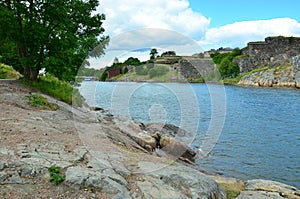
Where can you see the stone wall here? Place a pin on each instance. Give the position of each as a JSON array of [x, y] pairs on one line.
[[195, 68], [272, 52]]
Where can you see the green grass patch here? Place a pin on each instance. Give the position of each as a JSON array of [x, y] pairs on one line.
[[56, 175], [61, 90], [232, 190], [8, 72], [40, 102]]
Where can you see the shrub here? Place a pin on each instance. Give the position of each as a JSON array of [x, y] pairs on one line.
[[56, 175]]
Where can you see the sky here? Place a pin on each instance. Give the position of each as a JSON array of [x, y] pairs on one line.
[[207, 24]]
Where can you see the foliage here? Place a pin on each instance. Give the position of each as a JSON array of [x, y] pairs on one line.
[[41, 102], [153, 53], [226, 63], [158, 71], [125, 70], [59, 89], [132, 61], [8, 72], [52, 34], [103, 76], [56, 175], [168, 53]]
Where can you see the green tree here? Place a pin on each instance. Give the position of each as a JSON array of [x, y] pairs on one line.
[[227, 65], [153, 53], [168, 53], [53, 34], [132, 61]]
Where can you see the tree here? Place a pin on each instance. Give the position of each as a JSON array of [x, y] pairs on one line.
[[132, 61], [168, 53], [53, 34], [153, 53]]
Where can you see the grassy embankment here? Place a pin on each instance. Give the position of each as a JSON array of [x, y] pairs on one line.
[[47, 84]]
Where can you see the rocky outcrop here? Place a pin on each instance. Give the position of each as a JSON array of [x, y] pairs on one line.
[[100, 155], [275, 77], [266, 189]]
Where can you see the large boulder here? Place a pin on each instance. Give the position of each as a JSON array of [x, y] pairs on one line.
[[175, 148], [191, 183]]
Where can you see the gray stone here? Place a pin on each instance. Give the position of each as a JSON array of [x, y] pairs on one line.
[[272, 186], [156, 189], [185, 179], [258, 195], [81, 176], [2, 165]]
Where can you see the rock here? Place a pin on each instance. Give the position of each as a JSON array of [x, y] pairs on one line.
[[2, 165], [192, 183], [80, 176], [145, 140], [258, 195], [155, 188], [95, 108], [272, 186], [175, 148]]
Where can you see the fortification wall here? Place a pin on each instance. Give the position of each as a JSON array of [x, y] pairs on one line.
[[274, 51], [196, 68]]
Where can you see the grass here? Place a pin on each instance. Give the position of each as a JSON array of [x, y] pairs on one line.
[[61, 90], [232, 190], [40, 102], [8, 72], [56, 175]]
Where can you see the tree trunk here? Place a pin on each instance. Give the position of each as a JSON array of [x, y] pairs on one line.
[[30, 73]]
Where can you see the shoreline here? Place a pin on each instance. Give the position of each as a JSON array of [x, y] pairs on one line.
[[50, 138]]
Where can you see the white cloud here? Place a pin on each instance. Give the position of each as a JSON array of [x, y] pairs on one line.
[[138, 43], [176, 15], [240, 33]]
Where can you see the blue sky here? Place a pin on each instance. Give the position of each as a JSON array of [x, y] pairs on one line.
[[193, 26], [224, 12]]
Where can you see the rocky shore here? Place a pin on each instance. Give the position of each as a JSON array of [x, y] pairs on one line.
[[275, 77], [101, 156]]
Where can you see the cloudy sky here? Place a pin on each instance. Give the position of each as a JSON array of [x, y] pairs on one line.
[[208, 23]]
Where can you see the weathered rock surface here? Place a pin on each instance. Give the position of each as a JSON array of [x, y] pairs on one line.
[[101, 156], [267, 189], [275, 77]]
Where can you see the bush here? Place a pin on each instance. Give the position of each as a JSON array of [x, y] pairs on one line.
[[227, 65], [56, 175]]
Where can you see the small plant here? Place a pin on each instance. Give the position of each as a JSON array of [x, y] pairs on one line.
[[56, 175], [40, 102]]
